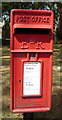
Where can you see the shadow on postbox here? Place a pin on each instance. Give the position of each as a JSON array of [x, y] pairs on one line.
[[31, 45]]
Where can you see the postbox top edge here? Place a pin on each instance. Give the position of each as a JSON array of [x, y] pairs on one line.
[[27, 10]]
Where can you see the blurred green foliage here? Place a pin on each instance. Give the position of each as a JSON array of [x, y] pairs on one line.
[[59, 28]]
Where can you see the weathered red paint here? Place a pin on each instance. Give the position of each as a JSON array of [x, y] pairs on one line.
[[31, 31]]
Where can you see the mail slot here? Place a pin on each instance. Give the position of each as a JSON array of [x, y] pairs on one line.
[[31, 46]]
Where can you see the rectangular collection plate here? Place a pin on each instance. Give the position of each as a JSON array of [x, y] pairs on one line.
[[31, 78]]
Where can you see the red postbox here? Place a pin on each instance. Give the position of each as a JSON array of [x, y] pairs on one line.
[[31, 47]]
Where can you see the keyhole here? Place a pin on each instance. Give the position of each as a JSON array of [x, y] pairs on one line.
[[19, 80]]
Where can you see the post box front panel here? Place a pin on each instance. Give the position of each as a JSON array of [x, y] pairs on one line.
[[43, 85], [31, 60]]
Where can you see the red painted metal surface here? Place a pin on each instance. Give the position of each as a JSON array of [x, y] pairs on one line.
[[31, 34]]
